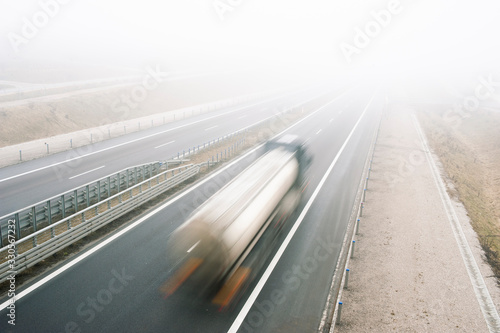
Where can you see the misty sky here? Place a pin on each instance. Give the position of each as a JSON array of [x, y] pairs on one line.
[[422, 38]]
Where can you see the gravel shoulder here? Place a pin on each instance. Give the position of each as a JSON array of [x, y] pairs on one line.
[[408, 274]]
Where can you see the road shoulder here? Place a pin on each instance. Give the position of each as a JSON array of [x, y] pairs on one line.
[[408, 273]]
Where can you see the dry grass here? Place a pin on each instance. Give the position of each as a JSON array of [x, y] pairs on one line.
[[470, 154]]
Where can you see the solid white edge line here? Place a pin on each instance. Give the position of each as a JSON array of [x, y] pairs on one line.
[[480, 289], [206, 129], [318, 132], [164, 144], [86, 172], [135, 140], [260, 285], [144, 218]]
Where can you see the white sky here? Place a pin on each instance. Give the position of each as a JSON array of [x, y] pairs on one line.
[[425, 37]]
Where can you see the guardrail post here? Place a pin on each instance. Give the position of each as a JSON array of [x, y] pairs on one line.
[[62, 206], [49, 215], [98, 190], [118, 180], [108, 182], [87, 195], [18, 225], [75, 194], [33, 217]]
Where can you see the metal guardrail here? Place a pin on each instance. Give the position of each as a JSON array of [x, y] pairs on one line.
[[26, 252], [46, 212]]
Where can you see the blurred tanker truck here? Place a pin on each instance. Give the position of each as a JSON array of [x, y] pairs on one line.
[[211, 245]]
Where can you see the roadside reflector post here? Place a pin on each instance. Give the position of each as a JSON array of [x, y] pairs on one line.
[[357, 226], [352, 248], [339, 312], [361, 210], [20, 155], [364, 195], [366, 186], [346, 278]]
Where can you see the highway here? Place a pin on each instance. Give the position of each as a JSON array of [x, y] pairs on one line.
[[114, 285], [27, 183]]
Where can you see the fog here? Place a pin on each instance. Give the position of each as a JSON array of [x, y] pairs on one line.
[[395, 42]]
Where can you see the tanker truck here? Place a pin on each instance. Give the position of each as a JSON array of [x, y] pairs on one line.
[[207, 251]]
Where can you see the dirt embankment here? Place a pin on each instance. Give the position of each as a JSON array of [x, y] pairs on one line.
[[469, 149], [45, 118]]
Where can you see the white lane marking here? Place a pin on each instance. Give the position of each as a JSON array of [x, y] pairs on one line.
[[147, 216], [135, 140], [207, 129], [164, 144], [86, 172], [480, 289], [258, 288], [318, 132]]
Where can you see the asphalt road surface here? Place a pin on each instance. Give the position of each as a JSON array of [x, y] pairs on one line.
[[114, 285]]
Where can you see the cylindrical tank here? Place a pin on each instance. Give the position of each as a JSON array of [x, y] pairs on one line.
[[222, 231]]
